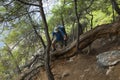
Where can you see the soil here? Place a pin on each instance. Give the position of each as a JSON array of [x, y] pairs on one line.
[[84, 66]]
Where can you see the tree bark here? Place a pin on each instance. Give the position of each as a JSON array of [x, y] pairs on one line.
[[62, 20], [78, 24], [115, 6], [47, 51], [73, 31]]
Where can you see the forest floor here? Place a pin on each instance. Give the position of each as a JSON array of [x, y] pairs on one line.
[[84, 66]]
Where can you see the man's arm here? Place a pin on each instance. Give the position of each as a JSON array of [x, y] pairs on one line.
[[63, 34]]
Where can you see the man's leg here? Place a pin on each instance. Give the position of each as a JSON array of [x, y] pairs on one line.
[[65, 42], [61, 44], [53, 44]]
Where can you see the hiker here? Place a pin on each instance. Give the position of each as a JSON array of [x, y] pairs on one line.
[[62, 28], [57, 36]]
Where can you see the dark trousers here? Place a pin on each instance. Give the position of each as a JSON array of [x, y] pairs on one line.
[[65, 42]]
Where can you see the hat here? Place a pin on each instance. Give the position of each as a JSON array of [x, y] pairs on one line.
[[56, 29], [60, 26]]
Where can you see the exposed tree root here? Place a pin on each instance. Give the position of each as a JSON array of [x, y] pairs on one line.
[[101, 31], [86, 39]]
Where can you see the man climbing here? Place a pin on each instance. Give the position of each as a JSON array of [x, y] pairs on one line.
[[57, 36], [62, 28]]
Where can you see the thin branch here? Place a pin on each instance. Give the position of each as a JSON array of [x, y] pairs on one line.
[[2, 28], [91, 2], [33, 61], [9, 3], [91, 18], [39, 36], [15, 61], [32, 72], [26, 3], [22, 15]]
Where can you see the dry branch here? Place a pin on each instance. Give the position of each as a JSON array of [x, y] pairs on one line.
[[28, 74]]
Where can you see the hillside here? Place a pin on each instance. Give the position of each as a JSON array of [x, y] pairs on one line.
[[30, 30], [67, 64], [85, 67]]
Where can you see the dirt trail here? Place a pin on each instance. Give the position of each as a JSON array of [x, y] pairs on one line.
[[84, 67]]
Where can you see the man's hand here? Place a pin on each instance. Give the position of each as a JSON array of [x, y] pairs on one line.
[[65, 37]]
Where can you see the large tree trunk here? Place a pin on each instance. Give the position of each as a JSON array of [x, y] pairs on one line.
[[73, 31], [78, 24], [115, 6], [47, 51], [102, 31], [62, 20]]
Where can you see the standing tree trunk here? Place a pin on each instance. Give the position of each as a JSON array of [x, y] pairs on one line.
[[62, 20], [61, 15], [73, 31], [34, 27], [115, 6], [47, 51], [91, 21], [113, 13], [78, 24]]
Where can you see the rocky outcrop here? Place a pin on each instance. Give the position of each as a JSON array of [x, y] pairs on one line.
[[109, 58]]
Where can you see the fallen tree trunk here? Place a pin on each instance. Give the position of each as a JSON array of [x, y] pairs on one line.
[[101, 31]]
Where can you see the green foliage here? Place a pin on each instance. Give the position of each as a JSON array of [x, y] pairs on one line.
[[18, 31], [2, 9], [101, 18], [22, 35]]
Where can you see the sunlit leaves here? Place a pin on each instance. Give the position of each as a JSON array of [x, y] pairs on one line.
[[2, 9], [101, 18]]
